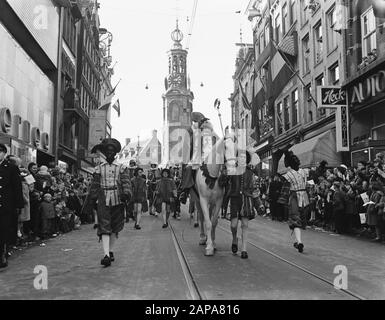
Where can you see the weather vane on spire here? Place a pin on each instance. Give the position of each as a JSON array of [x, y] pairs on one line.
[[177, 36]]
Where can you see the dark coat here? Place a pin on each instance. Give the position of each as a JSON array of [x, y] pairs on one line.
[[242, 183], [351, 203], [74, 204], [275, 190], [139, 188], [11, 198], [339, 202], [165, 190]]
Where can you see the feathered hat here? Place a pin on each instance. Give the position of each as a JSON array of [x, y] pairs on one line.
[[105, 143]]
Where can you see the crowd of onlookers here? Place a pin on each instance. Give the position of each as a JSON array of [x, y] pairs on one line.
[[344, 199], [53, 201]]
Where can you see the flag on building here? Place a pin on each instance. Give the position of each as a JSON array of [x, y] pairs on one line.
[[245, 101], [289, 46], [379, 8], [116, 106], [288, 49], [107, 100]]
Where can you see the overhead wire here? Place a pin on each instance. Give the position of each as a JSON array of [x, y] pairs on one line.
[[193, 15]]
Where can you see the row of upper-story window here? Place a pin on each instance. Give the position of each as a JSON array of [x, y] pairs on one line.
[[70, 30], [287, 16], [90, 76], [88, 102], [90, 47], [290, 110], [318, 44], [368, 37]]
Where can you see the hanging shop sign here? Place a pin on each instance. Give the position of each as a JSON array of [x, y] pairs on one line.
[[21, 129], [332, 97]]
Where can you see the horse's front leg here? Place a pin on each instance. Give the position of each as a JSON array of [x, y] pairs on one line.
[[214, 220], [198, 211], [207, 222]]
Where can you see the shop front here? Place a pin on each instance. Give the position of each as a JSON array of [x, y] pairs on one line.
[[366, 95], [26, 104], [29, 146]]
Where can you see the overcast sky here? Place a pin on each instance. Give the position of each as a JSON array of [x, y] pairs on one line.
[[142, 31]]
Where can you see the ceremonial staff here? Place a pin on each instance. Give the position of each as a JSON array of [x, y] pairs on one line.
[[217, 105]]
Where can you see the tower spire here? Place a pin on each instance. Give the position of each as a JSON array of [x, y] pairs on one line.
[[177, 36]]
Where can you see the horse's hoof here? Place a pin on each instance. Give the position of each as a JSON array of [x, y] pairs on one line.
[[209, 252], [202, 242]]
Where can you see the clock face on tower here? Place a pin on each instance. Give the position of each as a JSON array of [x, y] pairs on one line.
[[175, 80]]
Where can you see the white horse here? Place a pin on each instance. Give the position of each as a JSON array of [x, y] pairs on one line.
[[209, 200]]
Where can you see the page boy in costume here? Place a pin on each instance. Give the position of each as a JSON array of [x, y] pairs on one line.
[[111, 188], [295, 186], [165, 193], [139, 189], [152, 180], [242, 190]]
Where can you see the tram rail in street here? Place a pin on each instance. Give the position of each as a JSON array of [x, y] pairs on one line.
[[321, 278], [192, 285]]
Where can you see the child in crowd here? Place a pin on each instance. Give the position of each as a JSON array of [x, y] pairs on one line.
[[48, 215]]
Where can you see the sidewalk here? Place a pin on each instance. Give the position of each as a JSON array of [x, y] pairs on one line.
[[146, 267]]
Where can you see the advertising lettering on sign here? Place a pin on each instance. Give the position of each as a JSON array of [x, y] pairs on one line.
[[336, 98], [371, 88], [11, 125], [331, 97]]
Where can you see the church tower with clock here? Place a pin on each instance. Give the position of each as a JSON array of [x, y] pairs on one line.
[[177, 104]]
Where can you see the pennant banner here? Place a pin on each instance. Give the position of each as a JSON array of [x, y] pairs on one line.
[[116, 106], [245, 101]]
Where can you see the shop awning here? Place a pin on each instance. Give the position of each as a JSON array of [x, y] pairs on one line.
[[311, 152]]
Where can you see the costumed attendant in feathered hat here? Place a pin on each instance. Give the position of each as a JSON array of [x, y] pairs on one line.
[[298, 197], [111, 188]]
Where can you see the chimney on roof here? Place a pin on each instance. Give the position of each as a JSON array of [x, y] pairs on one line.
[[155, 133], [128, 140]]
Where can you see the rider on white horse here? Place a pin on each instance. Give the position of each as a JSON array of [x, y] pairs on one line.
[[188, 170]]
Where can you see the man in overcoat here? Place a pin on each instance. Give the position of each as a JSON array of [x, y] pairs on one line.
[[11, 201]]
